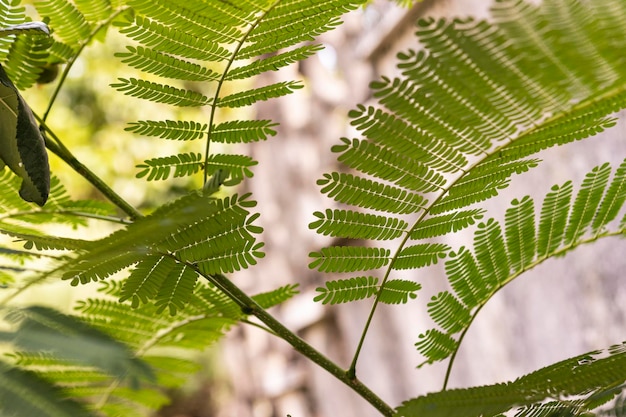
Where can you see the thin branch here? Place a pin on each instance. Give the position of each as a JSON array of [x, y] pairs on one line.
[[56, 147]]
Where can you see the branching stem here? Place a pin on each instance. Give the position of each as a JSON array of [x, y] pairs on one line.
[[56, 147], [299, 344]]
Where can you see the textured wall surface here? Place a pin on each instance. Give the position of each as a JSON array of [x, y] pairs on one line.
[[562, 308]]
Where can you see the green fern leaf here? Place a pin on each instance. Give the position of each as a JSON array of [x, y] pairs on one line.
[[194, 22], [246, 98], [491, 254], [26, 58], [146, 279], [399, 291], [347, 290], [612, 201], [553, 219], [41, 329], [292, 22], [160, 93], [349, 189], [176, 289], [157, 63], [399, 136], [465, 197], [441, 225], [243, 131], [19, 387], [586, 203], [11, 13], [59, 52], [154, 234], [489, 173], [273, 63], [581, 376], [94, 11], [449, 313], [355, 225], [349, 259], [438, 81], [280, 295], [169, 129], [238, 166], [435, 345], [403, 98], [160, 168], [520, 233], [419, 256], [466, 279], [372, 159], [34, 238], [69, 24], [233, 259], [172, 40], [561, 132]]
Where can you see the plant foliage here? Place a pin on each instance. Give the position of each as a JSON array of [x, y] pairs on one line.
[[467, 112]]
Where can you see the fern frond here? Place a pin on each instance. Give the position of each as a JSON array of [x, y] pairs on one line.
[[145, 280], [583, 376], [435, 345], [184, 165], [243, 131], [169, 129], [157, 63], [419, 256], [34, 238], [401, 137], [349, 259], [399, 291], [146, 236], [520, 233], [292, 22], [25, 393], [484, 175], [238, 166], [372, 159], [465, 196], [195, 23], [68, 22], [449, 313], [347, 290], [408, 100], [587, 201], [613, 200], [349, 189], [94, 11], [466, 279], [500, 256], [11, 13], [26, 58], [355, 225], [441, 225], [172, 40], [279, 295], [246, 98], [273, 63], [160, 93], [176, 289], [553, 218], [491, 254]]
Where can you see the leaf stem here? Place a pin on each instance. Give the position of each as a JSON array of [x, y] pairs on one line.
[[299, 344], [56, 147]]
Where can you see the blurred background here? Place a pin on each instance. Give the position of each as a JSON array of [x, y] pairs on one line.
[[564, 307]]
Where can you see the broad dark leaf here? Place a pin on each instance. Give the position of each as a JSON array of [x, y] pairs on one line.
[[22, 146]]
